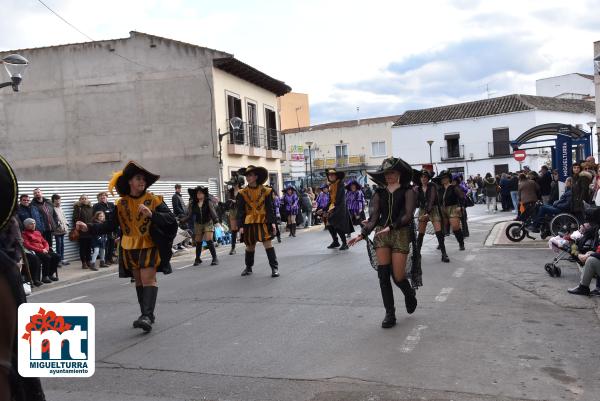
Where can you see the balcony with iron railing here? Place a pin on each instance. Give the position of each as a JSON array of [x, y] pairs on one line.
[[339, 162], [254, 140], [500, 149], [452, 152]]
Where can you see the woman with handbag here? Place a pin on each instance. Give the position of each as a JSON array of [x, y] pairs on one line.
[[148, 228], [391, 216]]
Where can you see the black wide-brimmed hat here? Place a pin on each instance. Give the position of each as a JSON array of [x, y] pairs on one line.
[[194, 192], [417, 174], [120, 179], [261, 173], [9, 190], [443, 174], [340, 174], [392, 164], [353, 182]]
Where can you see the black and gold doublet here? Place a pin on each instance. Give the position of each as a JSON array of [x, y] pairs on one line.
[[255, 214]]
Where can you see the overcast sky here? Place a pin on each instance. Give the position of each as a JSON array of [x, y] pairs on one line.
[[382, 56]]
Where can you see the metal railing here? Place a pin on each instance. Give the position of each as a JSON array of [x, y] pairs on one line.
[[453, 152], [256, 136], [338, 162], [501, 148]]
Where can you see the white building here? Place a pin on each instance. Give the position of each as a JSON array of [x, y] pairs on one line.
[[353, 146], [475, 137], [569, 86]]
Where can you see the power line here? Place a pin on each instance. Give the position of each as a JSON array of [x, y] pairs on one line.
[[89, 37]]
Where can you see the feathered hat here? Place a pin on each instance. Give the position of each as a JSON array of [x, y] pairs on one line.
[[120, 179]]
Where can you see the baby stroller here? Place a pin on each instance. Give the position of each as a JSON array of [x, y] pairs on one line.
[[569, 246]]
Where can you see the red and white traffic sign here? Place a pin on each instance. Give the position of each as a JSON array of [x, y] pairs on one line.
[[519, 155]]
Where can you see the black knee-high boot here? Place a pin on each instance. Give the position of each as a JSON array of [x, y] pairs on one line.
[[249, 259], [140, 297], [278, 233], [233, 239], [213, 252], [198, 260], [387, 294], [420, 239], [442, 246], [273, 262], [460, 238], [293, 229], [410, 295], [333, 234], [148, 303], [343, 239]]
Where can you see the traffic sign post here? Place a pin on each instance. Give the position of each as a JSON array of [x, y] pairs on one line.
[[519, 155]]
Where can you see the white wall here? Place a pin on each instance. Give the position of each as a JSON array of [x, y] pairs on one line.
[[565, 86], [410, 142]]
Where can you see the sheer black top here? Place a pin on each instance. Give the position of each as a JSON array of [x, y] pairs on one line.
[[452, 195], [429, 199], [394, 209]]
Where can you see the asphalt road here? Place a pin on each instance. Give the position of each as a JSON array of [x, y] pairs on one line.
[[491, 325]]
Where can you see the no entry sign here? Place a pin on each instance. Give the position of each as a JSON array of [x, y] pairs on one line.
[[519, 155]]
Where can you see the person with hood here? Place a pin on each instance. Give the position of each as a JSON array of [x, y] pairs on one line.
[[84, 213], [451, 200], [236, 183], [290, 201], [490, 189], [391, 216], [560, 206], [256, 217], [582, 180], [202, 212], [355, 202], [338, 220], [429, 210], [148, 228]]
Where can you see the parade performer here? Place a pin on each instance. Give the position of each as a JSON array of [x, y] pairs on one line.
[[391, 216], [451, 200], [256, 218], [338, 220], [355, 202], [458, 180], [148, 228], [236, 183], [202, 212], [290, 201], [277, 211], [322, 203], [429, 210]]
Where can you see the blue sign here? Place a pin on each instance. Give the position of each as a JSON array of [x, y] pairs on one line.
[[564, 159]]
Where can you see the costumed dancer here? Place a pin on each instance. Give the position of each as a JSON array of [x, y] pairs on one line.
[[202, 212], [277, 211], [458, 180], [451, 201], [256, 218], [322, 203], [236, 183], [148, 228], [391, 216], [290, 201], [12, 385], [338, 220], [429, 210], [355, 202]]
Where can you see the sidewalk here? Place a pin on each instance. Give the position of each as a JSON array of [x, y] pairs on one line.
[[497, 237]]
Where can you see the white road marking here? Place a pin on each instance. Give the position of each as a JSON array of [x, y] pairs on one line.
[[459, 272], [72, 284], [183, 267], [469, 258], [74, 299], [443, 296], [412, 339]]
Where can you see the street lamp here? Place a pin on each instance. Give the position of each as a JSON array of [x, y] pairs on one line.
[[591, 124], [15, 65], [430, 142], [235, 123], [310, 144]]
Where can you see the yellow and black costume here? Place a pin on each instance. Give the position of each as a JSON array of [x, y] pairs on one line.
[[146, 242], [256, 215]]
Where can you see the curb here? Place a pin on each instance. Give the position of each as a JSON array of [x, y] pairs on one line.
[[490, 240]]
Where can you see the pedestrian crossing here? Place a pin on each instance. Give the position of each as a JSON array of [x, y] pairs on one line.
[[491, 218]]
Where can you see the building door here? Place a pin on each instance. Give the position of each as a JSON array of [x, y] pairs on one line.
[[500, 168], [234, 109], [252, 125], [341, 155], [271, 126]]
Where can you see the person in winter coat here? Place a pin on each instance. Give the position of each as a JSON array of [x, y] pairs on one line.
[[560, 206], [545, 183], [581, 189], [34, 241], [514, 191], [290, 201], [47, 214], [306, 208], [108, 208], [529, 194], [84, 213], [26, 211], [62, 228], [505, 193], [490, 189]]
